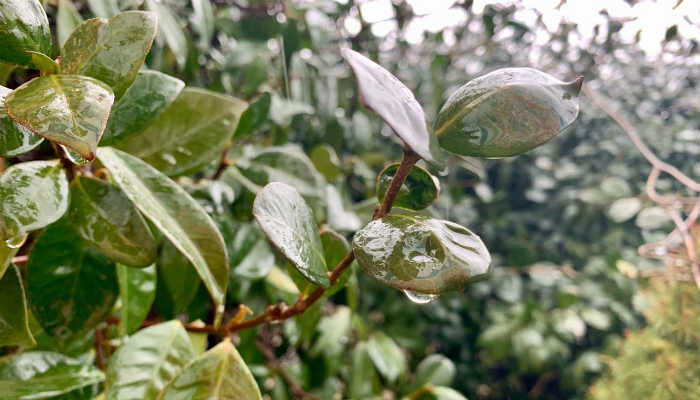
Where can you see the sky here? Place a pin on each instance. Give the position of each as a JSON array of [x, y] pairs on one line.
[[650, 18]]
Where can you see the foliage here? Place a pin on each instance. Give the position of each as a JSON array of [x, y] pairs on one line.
[[189, 163]]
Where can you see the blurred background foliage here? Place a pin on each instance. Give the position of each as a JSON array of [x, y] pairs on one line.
[[563, 222]]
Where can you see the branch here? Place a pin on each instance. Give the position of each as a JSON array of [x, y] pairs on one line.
[[281, 311]]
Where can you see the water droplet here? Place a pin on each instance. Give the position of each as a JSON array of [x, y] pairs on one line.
[[420, 298], [15, 241]]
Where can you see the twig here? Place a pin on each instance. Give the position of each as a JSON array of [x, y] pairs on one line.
[[281, 311], [223, 163], [99, 349], [20, 260]]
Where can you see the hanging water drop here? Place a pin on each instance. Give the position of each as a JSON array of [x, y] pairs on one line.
[[16, 241], [420, 298]]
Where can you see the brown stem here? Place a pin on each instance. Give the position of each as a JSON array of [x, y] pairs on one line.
[[223, 163], [281, 311], [99, 349]]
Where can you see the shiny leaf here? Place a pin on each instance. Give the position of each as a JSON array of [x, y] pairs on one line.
[[506, 112], [419, 190], [203, 21], [395, 103], [14, 325], [67, 19], [33, 195], [179, 217], [289, 224], [104, 216], [338, 217], [104, 8], [219, 373], [326, 161], [137, 289], [110, 50], [150, 94], [6, 255], [435, 369], [149, 359], [386, 356], [23, 26], [15, 139], [190, 133], [42, 374], [253, 116], [363, 374], [72, 287], [249, 253], [445, 393], [333, 334], [623, 209], [335, 248], [68, 109], [169, 30], [420, 254]]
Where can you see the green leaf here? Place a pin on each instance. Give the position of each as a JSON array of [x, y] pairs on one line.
[[435, 369], [104, 216], [137, 290], [418, 192], [289, 224], [67, 19], [170, 31], [23, 26], [6, 255], [250, 254], [333, 334], [42, 374], [178, 216], [506, 112], [219, 373], [648, 218], [72, 288], [445, 393], [110, 50], [421, 254], [178, 281], [14, 325], [150, 94], [142, 367], [254, 116], [363, 374], [386, 356], [335, 248], [14, 138], [189, 134], [326, 161], [33, 195], [395, 104], [281, 281], [283, 111], [104, 8], [44, 63], [68, 109]]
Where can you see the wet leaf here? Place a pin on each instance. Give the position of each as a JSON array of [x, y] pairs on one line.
[[445, 393], [506, 112], [67, 19], [150, 94], [289, 224], [170, 31], [652, 218], [421, 254], [219, 373], [24, 27], [110, 50], [418, 192], [15, 139], [623, 209], [395, 103], [14, 325], [104, 8], [44, 63], [33, 195], [72, 287], [189, 134], [152, 357], [254, 116], [333, 334], [202, 20], [6, 255], [68, 109], [104, 216], [435, 369], [44, 374], [363, 375], [338, 217], [386, 356], [178, 216], [137, 290]]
